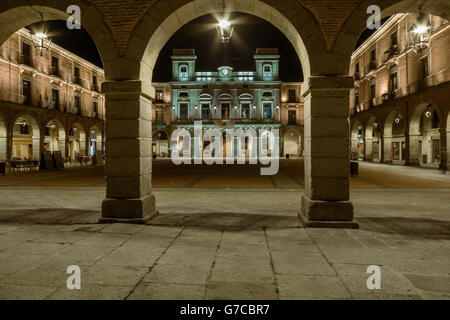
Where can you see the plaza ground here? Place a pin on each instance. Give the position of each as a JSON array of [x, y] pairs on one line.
[[225, 233]]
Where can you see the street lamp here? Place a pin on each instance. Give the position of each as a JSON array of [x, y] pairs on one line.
[[397, 119], [428, 112], [225, 30], [420, 33]]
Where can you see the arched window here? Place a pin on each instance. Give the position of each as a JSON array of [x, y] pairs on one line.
[[183, 71], [267, 71]]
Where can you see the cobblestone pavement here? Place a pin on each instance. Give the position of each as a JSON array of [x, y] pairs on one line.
[[225, 242]]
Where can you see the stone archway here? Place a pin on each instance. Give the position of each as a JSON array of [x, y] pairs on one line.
[[26, 140], [95, 141], [55, 137], [373, 140], [77, 141], [292, 143], [3, 139], [326, 90], [357, 141], [394, 138], [425, 139]]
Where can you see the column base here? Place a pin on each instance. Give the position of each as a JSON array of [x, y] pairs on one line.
[[134, 211], [327, 214]]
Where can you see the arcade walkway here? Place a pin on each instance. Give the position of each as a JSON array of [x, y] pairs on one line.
[[225, 235]]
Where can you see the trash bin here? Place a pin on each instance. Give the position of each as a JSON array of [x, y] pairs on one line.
[[354, 168]]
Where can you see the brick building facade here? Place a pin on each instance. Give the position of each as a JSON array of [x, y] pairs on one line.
[[400, 104], [49, 100]]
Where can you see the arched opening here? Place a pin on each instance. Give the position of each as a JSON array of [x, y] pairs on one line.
[[425, 144], [160, 146], [394, 138], [373, 143], [292, 144], [95, 141], [3, 140], [26, 138], [55, 137], [77, 141], [357, 142]]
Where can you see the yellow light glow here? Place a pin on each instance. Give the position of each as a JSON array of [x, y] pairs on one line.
[[421, 29], [41, 35], [224, 24]]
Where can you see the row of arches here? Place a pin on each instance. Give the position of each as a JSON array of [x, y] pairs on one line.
[[397, 138], [25, 137]]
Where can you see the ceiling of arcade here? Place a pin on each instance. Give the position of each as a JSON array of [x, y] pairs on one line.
[[122, 16]]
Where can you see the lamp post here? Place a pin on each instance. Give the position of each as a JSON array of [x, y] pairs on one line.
[[420, 33]]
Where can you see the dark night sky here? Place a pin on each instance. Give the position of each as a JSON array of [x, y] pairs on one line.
[[250, 33]]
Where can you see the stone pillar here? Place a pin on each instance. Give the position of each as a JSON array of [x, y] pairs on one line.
[[325, 202], [9, 145], [381, 147], [443, 165], [128, 165]]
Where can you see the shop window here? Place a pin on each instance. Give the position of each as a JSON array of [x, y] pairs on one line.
[[267, 111], [206, 114], [225, 110], [245, 111]]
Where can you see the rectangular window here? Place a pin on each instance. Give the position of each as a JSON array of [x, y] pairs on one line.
[[394, 39], [357, 67], [292, 117], [77, 100], [225, 111], [159, 95], [184, 111], [292, 95], [95, 107], [357, 99], [245, 111], [206, 114], [393, 82], [184, 94], [54, 70], [76, 75], [26, 91], [26, 54], [373, 55], [267, 111], [55, 98], [372, 91], [94, 83]]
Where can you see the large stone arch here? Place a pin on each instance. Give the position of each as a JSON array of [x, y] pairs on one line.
[[392, 134], [373, 146], [421, 143], [55, 136], [34, 132], [326, 90], [95, 140], [18, 14], [356, 150], [77, 140]]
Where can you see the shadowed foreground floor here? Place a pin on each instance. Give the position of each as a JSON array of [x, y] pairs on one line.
[[224, 243]]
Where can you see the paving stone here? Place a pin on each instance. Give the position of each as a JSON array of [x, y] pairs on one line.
[[311, 287], [430, 283], [289, 234], [181, 274], [307, 264], [240, 291], [149, 241], [256, 251], [243, 270], [104, 240], [21, 292], [189, 255], [13, 262], [131, 256], [63, 237], [92, 292], [123, 228], [36, 248], [126, 276], [244, 237], [165, 291], [80, 254], [162, 231]]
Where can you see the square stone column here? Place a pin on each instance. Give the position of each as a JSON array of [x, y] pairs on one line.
[[325, 202], [128, 168]]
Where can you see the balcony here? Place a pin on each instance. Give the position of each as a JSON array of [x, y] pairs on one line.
[[392, 52], [54, 71], [77, 80], [26, 60]]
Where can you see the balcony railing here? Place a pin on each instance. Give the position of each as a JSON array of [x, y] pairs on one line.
[[372, 65], [26, 60], [54, 71], [393, 51]]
